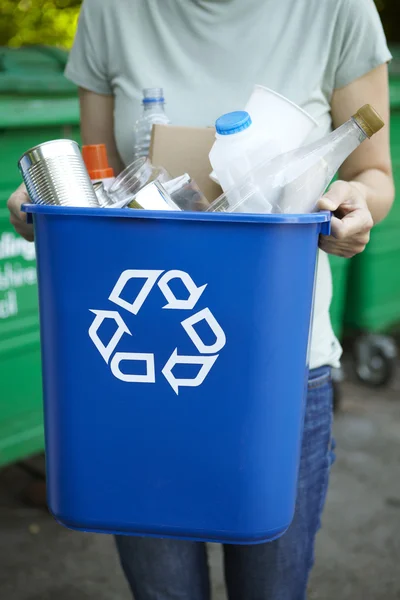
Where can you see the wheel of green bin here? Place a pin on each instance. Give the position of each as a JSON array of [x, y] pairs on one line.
[[375, 358]]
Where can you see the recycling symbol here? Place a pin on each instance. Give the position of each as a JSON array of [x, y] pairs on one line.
[[207, 352]]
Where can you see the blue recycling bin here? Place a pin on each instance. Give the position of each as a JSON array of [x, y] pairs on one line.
[[174, 353]]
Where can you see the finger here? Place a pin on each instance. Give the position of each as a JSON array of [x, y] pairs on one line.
[[362, 238], [335, 196], [15, 201], [352, 225], [22, 227], [346, 248], [332, 249], [29, 236], [343, 252], [356, 222], [359, 238], [16, 215]]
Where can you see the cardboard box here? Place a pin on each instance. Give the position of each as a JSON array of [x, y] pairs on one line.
[[185, 150]]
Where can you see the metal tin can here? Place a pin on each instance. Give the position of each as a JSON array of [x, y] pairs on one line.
[[54, 173]]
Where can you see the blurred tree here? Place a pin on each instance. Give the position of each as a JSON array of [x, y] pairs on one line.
[[27, 22], [53, 22]]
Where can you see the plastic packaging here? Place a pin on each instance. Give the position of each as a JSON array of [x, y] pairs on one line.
[[239, 146], [153, 113], [279, 118], [153, 196], [186, 194], [96, 161], [294, 182], [102, 197], [134, 177]]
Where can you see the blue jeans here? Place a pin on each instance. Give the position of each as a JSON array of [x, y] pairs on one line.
[[177, 570]]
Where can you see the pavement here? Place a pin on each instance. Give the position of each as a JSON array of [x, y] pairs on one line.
[[358, 549]]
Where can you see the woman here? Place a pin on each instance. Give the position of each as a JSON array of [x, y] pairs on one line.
[[330, 57]]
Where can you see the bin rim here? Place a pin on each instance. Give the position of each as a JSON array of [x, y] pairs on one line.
[[126, 213]]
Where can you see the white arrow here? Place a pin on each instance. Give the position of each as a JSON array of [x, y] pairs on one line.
[[205, 315], [101, 315], [134, 307], [148, 377], [173, 302], [206, 363]]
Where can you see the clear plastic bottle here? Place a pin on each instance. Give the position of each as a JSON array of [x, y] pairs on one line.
[[153, 113], [306, 173], [294, 182]]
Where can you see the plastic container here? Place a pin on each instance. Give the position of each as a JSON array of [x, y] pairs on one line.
[[238, 148], [280, 118], [153, 196], [103, 198], [374, 283], [96, 161], [186, 194], [168, 408], [293, 182], [340, 270], [153, 113], [134, 177]]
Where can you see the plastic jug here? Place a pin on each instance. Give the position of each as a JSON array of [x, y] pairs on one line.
[[238, 148]]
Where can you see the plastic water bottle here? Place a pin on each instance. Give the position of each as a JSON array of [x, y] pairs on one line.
[[294, 182], [298, 179], [153, 113]]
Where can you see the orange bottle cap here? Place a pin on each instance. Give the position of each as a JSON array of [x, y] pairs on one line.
[[96, 161]]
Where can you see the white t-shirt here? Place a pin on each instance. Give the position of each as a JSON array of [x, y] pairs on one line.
[[208, 54]]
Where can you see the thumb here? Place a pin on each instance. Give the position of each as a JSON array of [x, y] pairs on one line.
[[326, 203], [335, 196], [15, 201]]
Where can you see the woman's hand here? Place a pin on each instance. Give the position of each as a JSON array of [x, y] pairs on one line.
[[18, 218], [352, 220]]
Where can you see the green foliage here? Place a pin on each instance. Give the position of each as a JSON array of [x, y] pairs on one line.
[[53, 22], [27, 22]]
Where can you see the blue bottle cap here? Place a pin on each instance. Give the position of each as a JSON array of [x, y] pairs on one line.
[[153, 95], [233, 122], [159, 100]]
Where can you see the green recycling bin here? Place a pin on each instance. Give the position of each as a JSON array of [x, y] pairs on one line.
[[374, 283], [340, 270], [36, 104], [373, 300]]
